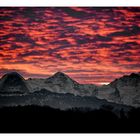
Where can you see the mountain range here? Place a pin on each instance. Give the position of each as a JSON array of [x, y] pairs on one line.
[[61, 91]]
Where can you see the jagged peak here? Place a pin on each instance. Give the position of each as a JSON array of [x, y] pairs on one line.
[[133, 78], [134, 75]]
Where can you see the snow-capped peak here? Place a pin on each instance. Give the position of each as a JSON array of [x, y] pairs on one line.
[[60, 77], [130, 80], [61, 83]]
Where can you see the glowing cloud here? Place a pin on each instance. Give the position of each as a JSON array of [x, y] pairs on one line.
[[92, 45]]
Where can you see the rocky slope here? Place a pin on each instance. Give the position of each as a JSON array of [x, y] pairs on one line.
[[109, 93], [128, 88], [62, 101], [125, 90], [62, 83]]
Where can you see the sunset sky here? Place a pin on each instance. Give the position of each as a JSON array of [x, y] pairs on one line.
[[91, 45]]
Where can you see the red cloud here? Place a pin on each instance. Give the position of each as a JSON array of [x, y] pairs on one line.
[[92, 45]]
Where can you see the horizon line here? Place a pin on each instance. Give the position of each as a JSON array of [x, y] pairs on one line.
[[95, 83]]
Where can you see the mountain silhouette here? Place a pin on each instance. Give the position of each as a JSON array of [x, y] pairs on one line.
[[61, 83], [124, 90], [13, 83], [60, 78]]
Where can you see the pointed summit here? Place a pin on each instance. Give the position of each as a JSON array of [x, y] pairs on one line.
[[61, 83], [60, 77]]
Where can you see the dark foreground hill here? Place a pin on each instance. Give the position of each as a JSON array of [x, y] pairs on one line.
[[77, 120]]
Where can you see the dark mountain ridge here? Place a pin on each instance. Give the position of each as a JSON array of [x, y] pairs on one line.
[[125, 90], [13, 83], [132, 79]]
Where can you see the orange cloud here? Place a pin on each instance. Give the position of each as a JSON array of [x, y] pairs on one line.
[[92, 45]]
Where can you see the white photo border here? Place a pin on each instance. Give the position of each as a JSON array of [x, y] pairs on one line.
[[61, 3]]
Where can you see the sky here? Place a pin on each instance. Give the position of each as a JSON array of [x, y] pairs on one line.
[[91, 45]]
